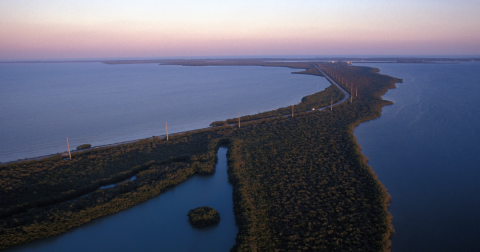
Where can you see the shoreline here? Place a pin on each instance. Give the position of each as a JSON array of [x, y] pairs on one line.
[[207, 63], [270, 239], [229, 128]]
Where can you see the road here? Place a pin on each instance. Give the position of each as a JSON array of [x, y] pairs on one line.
[[345, 93], [346, 96]]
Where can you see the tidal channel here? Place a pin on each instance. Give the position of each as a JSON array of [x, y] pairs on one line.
[[158, 224]]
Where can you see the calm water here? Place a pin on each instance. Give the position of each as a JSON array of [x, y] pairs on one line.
[[159, 224], [95, 103], [425, 150]]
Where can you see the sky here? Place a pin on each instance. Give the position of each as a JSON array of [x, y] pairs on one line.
[[77, 29]]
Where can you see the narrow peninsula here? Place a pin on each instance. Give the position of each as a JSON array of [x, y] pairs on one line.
[[300, 181]]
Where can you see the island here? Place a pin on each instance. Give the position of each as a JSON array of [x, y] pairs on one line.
[[203, 216], [300, 181]]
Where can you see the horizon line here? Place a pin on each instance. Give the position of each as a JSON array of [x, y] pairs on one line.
[[309, 57]]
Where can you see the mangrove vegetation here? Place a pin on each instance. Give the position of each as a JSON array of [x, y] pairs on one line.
[[299, 184], [203, 216]]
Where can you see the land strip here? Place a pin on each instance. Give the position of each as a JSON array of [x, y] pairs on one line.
[[345, 93], [299, 183]]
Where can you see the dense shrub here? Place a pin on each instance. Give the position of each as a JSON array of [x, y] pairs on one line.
[[203, 216]]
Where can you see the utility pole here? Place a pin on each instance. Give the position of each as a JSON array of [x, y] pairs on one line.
[[239, 119], [356, 91], [351, 93], [331, 104], [166, 126], [70, 155], [292, 110]]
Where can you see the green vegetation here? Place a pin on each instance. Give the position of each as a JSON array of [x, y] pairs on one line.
[[302, 183], [309, 102], [299, 183], [49, 181], [84, 146], [203, 216], [42, 198]]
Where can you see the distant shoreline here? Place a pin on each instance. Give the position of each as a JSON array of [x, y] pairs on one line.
[[265, 59]]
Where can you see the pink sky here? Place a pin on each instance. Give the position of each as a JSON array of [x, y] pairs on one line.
[[96, 29]]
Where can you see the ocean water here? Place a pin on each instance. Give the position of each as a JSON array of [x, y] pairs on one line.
[[94, 103], [425, 150]]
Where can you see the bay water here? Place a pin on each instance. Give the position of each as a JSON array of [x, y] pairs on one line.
[[94, 103], [425, 150], [100, 104]]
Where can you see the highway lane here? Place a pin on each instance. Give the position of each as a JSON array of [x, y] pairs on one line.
[[345, 93]]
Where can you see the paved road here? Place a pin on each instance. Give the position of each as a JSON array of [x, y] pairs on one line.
[[346, 94]]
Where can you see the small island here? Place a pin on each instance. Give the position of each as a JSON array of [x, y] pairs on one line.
[[203, 216]]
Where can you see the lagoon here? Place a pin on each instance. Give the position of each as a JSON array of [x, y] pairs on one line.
[[158, 224]]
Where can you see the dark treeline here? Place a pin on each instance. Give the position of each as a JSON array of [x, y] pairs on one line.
[[47, 197], [52, 180], [299, 183], [304, 181], [309, 102]]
